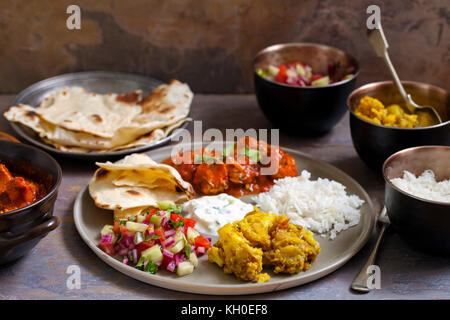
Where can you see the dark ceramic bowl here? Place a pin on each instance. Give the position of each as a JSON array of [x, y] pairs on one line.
[[424, 223], [304, 109], [22, 229], [375, 143]]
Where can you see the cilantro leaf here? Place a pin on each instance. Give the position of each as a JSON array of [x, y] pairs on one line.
[[228, 149], [140, 263], [152, 237], [253, 154], [175, 225], [187, 248], [151, 267]]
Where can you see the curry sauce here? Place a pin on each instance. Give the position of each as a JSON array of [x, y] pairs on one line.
[[17, 191], [236, 171]]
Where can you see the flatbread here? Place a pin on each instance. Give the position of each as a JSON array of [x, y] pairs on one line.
[[89, 122], [76, 109], [137, 181]]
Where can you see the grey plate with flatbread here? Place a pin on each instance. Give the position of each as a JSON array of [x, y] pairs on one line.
[[93, 81], [208, 278]]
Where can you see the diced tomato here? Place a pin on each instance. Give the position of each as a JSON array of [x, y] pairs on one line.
[[108, 248], [141, 246], [123, 230], [160, 232], [201, 241], [116, 227], [189, 223], [175, 217], [315, 77], [281, 75]]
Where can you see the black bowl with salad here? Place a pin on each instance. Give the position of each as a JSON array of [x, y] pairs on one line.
[[303, 87]]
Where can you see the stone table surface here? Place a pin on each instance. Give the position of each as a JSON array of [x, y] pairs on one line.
[[42, 273]]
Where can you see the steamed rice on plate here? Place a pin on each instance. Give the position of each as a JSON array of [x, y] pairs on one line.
[[322, 206]]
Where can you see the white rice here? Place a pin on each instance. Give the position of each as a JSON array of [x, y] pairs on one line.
[[321, 206], [425, 186]]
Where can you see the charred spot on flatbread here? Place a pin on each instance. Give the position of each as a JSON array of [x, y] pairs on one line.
[[134, 192], [97, 118], [131, 98], [31, 114], [101, 173]]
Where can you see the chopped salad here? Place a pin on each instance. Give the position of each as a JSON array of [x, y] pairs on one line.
[[301, 75], [157, 239]]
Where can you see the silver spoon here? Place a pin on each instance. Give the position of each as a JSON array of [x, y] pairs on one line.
[[380, 46], [360, 281]]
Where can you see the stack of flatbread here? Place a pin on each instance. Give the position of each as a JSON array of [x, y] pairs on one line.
[[136, 183], [73, 119]]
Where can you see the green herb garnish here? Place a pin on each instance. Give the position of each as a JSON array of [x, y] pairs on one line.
[[187, 248], [205, 158], [140, 263], [228, 149], [253, 154], [130, 256], [123, 222], [133, 218], [152, 237], [151, 267], [175, 225]]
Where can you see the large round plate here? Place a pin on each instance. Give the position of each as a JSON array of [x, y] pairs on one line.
[[92, 81], [210, 279]]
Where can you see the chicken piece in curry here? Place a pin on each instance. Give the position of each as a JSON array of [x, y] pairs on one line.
[[16, 192], [236, 170], [263, 239]]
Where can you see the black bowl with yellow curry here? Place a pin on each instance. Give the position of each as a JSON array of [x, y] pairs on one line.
[[381, 126]]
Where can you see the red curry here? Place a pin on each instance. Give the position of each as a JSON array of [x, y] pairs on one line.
[[236, 171], [17, 192]]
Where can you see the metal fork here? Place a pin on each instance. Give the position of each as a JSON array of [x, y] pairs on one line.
[[360, 281]]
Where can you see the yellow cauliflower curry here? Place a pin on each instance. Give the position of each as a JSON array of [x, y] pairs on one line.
[[373, 110], [263, 239]]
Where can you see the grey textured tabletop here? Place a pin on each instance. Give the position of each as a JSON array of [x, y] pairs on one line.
[[42, 273]]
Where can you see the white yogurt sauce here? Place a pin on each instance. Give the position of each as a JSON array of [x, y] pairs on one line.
[[213, 212]]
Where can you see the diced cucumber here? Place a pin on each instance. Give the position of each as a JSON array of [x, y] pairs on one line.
[[272, 70], [165, 205], [177, 247], [192, 234], [179, 236], [136, 227], [184, 268], [107, 229], [291, 74], [154, 254], [300, 70], [324, 81], [156, 220], [140, 218], [193, 259]]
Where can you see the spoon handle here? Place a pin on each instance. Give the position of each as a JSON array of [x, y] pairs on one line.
[[380, 46], [360, 281]]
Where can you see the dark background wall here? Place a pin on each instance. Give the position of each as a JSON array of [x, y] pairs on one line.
[[211, 43]]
